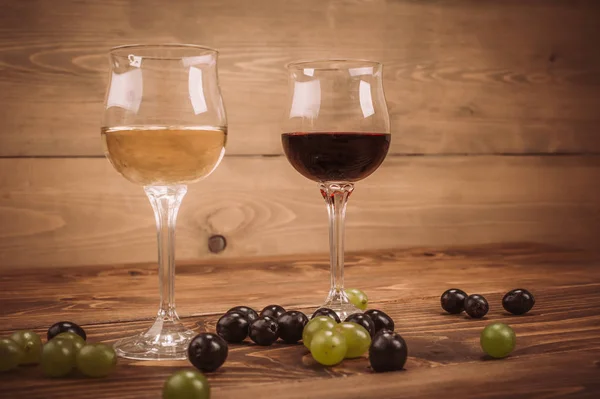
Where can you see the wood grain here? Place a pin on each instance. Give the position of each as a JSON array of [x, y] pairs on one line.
[[119, 293], [73, 211], [558, 344], [461, 76]]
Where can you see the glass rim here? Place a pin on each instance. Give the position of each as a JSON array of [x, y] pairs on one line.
[[115, 51], [324, 64]]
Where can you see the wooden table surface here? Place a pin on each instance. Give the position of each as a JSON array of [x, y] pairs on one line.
[[558, 342]]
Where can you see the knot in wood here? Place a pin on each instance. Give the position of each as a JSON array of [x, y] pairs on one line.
[[217, 243]]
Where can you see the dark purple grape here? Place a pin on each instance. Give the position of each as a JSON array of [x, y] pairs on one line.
[[380, 319], [264, 331], [207, 352], [291, 325], [388, 351], [273, 311], [326, 312], [362, 320], [453, 300], [65, 326], [518, 301], [233, 327], [476, 306], [249, 313]]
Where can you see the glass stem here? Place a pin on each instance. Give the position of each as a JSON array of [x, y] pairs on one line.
[[336, 196], [165, 201]]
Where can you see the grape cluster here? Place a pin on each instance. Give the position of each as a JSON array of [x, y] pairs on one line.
[[273, 323], [331, 341], [328, 339], [65, 351], [207, 352], [497, 340], [518, 301]]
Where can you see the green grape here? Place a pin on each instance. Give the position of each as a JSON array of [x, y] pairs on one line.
[[315, 325], [58, 357], [357, 337], [357, 298], [498, 340], [186, 384], [77, 341], [96, 360], [11, 354], [31, 345], [328, 347]]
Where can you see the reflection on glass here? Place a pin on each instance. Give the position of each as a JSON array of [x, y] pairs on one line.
[[196, 91], [126, 90], [307, 99]]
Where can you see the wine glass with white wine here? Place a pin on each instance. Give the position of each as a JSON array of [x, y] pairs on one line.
[[164, 126]]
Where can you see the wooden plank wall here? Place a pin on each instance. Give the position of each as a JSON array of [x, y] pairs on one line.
[[494, 105]]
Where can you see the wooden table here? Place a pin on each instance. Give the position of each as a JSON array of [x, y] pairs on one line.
[[558, 343]]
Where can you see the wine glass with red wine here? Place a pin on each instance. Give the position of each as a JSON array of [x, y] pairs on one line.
[[336, 132]]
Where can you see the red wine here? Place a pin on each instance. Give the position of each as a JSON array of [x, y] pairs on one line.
[[343, 157]]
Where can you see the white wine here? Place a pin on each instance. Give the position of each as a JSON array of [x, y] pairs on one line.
[[164, 155]]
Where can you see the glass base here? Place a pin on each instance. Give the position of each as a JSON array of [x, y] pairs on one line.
[[340, 304], [165, 340]]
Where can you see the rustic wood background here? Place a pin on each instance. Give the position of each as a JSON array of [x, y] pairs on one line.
[[495, 108]]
